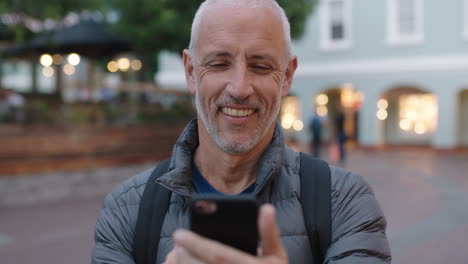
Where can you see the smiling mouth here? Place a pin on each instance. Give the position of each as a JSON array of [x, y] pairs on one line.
[[236, 112]]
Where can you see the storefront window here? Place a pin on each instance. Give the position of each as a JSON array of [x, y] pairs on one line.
[[290, 114], [418, 114]]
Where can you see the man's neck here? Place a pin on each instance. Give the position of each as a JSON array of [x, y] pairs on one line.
[[227, 173]]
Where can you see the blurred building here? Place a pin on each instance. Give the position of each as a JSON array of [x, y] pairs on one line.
[[398, 69]]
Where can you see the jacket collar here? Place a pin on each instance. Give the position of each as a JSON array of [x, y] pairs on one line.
[[179, 176]]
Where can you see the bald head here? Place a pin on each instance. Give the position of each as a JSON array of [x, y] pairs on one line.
[[211, 5]]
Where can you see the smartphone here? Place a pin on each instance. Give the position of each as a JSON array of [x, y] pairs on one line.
[[231, 220]]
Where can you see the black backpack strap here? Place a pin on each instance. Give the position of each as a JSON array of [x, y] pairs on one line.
[[316, 204], [153, 207]]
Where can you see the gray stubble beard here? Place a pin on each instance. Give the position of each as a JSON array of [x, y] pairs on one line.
[[222, 141]]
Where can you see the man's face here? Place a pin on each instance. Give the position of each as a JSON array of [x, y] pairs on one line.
[[238, 74]]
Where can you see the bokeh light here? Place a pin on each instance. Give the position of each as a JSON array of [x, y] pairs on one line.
[[124, 64], [112, 66], [420, 128], [287, 121], [382, 104], [382, 114], [136, 65], [322, 99], [48, 71], [322, 111], [46, 60], [74, 59], [69, 69], [405, 124], [298, 125], [57, 59]]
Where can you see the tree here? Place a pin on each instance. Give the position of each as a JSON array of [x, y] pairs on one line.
[[24, 17], [151, 25], [156, 25], [297, 12]]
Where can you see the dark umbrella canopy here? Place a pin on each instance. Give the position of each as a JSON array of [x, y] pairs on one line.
[[5, 34], [87, 38]]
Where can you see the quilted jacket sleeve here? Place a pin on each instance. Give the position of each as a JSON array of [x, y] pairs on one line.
[[112, 240], [358, 223], [116, 223]]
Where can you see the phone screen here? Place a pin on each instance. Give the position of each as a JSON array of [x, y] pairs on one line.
[[231, 220]]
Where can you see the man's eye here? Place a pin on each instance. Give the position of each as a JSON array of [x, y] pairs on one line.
[[261, 68], [217, 65]]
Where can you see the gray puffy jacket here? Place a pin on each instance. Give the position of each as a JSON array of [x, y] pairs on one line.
[[358, 224]]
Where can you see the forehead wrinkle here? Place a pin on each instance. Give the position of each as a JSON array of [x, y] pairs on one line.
[[228, 40], [217, 30], [217, 54], [261, 57], [228, 49], [236, 32]]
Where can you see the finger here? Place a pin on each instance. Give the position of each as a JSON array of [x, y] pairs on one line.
[[184, 257], [209, 251], [172, 257], [269, 232], [180, 256]]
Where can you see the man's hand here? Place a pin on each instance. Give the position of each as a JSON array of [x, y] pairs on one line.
[[192, 248]]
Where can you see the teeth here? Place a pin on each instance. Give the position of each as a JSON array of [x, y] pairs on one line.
[[237, 112]]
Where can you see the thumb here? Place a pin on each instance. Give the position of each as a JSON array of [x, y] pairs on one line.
[[269, 232]]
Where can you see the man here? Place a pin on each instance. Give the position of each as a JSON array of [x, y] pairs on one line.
[[238, 66], [340, 135], [316, 129], [11, 106]]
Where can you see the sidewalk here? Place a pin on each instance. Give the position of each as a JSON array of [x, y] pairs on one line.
[[424, 195]]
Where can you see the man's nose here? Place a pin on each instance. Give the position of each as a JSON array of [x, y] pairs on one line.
[[240, 85]]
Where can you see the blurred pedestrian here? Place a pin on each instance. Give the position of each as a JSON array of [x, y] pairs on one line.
[[12, 106], [340, 135], [316, 131], [3, 105], [106, 95]]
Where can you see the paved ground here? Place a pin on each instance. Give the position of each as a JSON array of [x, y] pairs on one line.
[[423, 194]]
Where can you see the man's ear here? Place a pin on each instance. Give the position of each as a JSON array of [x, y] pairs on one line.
[[189, 71], [289, 75]]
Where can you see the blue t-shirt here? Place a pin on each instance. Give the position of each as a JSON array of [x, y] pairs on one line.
[[203, 186]]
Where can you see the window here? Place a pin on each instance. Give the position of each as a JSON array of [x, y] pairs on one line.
[[465, 26], [405, 21], [336, 20], [335, 24]]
